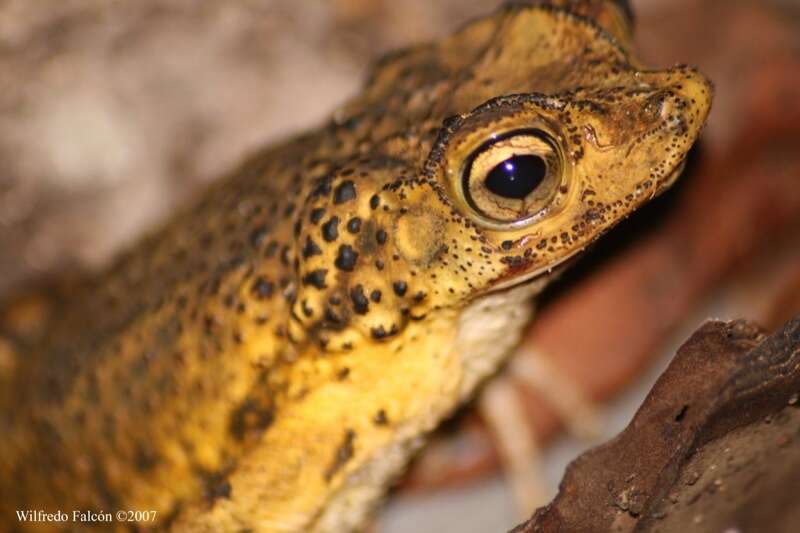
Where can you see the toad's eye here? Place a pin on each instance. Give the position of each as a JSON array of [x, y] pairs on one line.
[[513, 178]]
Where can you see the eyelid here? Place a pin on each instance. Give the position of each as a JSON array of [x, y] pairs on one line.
[[504, 213], [501, 149]]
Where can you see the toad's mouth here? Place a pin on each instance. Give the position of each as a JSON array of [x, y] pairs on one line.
[[547, 272], [671, 178]]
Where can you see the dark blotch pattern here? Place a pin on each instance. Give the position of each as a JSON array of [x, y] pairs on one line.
[[216, 487], [343, 454], [251, 417], [330, 230], [400, 288], [344, 192], [346, 258], [316, 278], [380, 332], [262, 288], [316, 215], [311, 248], [360, 302], [380, 418], [354, 225]]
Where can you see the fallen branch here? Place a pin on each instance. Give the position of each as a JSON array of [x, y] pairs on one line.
[[714, 447]]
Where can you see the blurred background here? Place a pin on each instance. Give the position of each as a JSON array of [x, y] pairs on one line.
[[114, 113]]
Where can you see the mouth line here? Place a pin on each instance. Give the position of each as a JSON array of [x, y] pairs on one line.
[[674, 175], [666, 183], [534, 274]]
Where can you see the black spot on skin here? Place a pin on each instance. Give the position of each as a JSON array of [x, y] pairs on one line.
[[380, 418], [360, 302], [316, 278], [354, 225], [262, 288], [323, 186], [400, 288], [375, 296], [375, 201], [343, 373], [380, 332], [343, 454], [330, 230], [379, 264], [216, 487], [250, 417], [311, 248], [345, 192], [332, 318], [258, 236], [308, 311], [346, 259], [507, 245], [380, 236], [316, 215]]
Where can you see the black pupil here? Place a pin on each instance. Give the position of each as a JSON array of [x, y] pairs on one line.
[[516, 177]]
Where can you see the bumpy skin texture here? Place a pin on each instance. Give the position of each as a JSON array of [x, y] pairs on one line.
[[269, 359]]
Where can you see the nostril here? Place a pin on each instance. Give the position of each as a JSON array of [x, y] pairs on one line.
[[674, 115], [677, 124], [654, 107], [671, 110]]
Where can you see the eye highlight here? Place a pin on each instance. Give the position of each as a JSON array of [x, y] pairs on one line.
[[513, 177], [516, 177]]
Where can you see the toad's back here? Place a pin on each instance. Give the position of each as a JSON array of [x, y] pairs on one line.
[[268, 359]]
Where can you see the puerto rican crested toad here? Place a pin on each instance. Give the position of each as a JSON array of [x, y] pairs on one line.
[[270, 358]]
